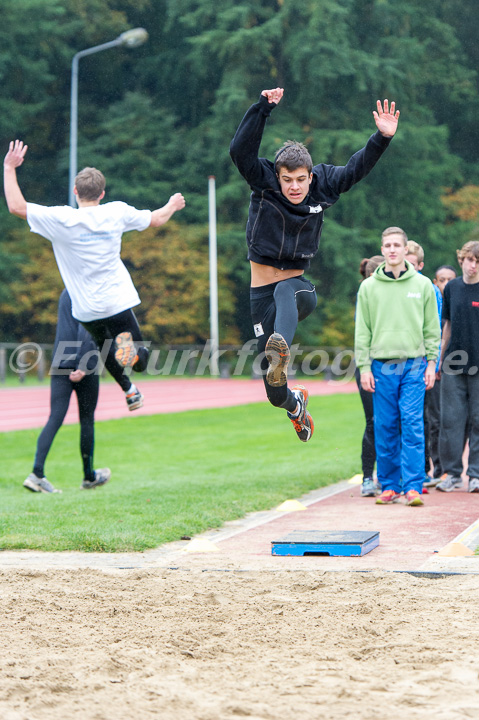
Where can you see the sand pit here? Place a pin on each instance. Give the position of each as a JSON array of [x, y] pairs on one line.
[[226, 645]]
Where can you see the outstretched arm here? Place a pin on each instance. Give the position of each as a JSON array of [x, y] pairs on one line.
[[162, 215], [341, 179], [386, 121], [245, 145], [15, 156]]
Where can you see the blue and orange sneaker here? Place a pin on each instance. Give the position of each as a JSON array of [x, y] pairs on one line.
[[277, 353], [387, 497], [302, 420]]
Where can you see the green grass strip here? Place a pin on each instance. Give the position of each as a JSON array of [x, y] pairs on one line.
[[173, 475]]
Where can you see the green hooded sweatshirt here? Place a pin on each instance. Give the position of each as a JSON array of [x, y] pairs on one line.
[[396, 318]]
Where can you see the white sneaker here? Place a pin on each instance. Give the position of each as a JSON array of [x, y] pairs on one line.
[[101, 478], [473, 485], [449, 483], [36, 484]]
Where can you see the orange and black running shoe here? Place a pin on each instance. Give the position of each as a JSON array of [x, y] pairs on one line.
[[303, 422], [134, 398]]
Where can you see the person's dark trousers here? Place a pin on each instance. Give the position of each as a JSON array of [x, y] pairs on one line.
[[368, 450], [279, 307], [61, 389], [459, 412], [399, 423], [432, 410], [427, 455], [107, 329]]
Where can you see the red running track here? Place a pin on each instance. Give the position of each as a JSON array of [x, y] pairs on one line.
[[28, 407]]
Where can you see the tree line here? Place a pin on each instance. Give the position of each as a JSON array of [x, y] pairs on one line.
[[159, 119]]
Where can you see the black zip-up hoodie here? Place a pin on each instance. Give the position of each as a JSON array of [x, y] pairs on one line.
[[280, 233]]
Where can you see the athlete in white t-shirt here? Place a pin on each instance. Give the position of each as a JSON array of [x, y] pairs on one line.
[[87, 244]]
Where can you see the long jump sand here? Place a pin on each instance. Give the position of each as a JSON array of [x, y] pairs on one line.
[[221, 646], [195, 636]]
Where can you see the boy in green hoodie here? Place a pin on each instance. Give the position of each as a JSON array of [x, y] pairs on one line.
[[396, 347]]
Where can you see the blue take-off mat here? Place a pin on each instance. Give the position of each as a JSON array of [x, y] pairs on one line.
[[336, 543]]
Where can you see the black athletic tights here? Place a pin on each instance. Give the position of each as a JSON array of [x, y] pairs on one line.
[[60, 393], [278, 308], [368, 450], [108, 329]]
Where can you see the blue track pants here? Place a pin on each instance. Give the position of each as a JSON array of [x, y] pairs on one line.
[[399, 423]]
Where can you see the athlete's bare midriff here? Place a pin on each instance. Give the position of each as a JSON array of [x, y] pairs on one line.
[[266, 274]]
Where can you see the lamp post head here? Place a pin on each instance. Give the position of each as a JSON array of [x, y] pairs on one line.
[[133, 38]]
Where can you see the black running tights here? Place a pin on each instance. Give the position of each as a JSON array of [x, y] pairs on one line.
[[278, 308], [106, 330], [60, 393], [368, 450]]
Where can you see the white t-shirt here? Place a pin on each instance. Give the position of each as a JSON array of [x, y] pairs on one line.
[[87, 244]]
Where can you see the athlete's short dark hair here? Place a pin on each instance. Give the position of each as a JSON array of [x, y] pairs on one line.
[[446, 267], [293, 155]]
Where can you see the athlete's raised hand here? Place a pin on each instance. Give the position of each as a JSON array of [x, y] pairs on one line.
[[15, 155], [274, 96], [387, 119]]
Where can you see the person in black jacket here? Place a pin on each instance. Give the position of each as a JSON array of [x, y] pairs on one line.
[[74, 369], [289, 196], [458, 372]]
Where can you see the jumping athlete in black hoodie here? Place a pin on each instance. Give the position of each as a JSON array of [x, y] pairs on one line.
[[284, 226]]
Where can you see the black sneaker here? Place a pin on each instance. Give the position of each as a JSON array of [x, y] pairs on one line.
[[134, 399], [277, 354], [303, 423], [101, 478]]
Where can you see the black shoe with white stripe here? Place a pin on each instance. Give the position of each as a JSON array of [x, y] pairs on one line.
[[134, 398], [302, 420]]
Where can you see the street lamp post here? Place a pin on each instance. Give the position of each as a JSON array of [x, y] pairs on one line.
[[213, 263], [130, 38]]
